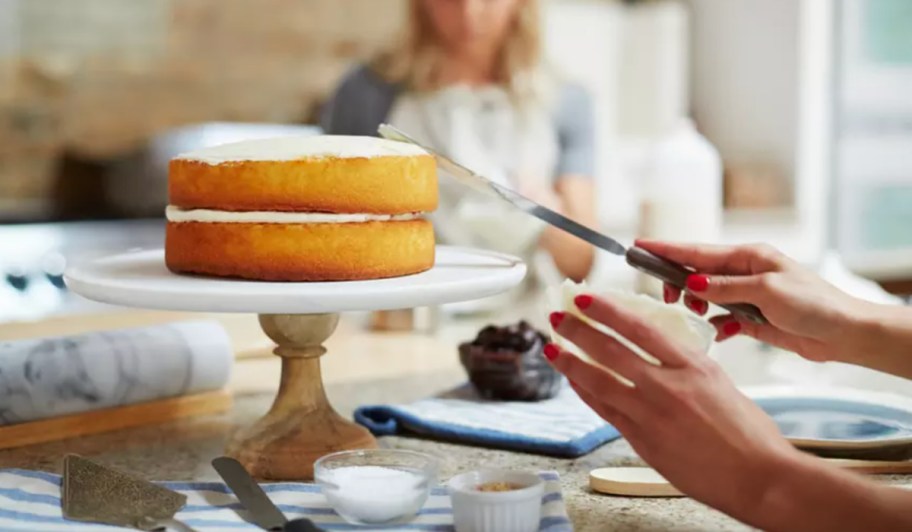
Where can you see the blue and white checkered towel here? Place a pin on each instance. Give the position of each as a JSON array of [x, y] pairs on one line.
[[30, 500], [563, 426]]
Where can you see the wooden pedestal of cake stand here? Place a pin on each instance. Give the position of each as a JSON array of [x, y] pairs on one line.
[[301, 426]]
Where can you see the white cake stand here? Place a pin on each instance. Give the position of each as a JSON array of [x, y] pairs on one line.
[[301, 426]]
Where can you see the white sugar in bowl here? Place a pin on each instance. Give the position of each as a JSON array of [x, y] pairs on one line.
[[376, 486], [496, 500]]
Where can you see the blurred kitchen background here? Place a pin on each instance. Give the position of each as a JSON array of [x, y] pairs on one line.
[[807, 102]]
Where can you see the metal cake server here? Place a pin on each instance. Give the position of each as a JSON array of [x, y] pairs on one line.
[[263, 512], [94, 493], [665, 270]]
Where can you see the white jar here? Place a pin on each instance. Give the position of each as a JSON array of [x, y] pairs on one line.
[[516, 510], [681, 196]]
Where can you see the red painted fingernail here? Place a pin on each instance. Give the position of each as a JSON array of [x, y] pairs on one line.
[[697, 283], [582, 301], [731, 328], [556, 318], [699, 306], [667, 295], [551, 352]]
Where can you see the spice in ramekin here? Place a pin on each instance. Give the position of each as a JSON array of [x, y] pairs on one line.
[[498, 486]]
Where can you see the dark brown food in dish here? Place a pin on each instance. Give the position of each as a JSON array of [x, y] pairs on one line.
[[506, 363]]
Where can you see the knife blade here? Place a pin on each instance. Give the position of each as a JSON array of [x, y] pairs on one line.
[[262, 511], [665, 270]]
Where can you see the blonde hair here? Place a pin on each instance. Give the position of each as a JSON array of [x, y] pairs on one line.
[[413, 62]]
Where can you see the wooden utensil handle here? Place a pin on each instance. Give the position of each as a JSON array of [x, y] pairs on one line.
[[676, 275]]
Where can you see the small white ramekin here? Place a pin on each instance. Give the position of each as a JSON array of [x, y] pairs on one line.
[[496, 511]]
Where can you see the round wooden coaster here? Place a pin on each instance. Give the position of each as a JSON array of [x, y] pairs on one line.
[[647, 482], [631, 482]]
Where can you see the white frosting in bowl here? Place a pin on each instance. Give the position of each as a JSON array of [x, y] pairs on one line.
[[177, 215], [302, 147], [677, 324]]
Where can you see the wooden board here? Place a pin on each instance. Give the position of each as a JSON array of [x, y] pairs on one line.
[[874, 467], [150, 413], [646, 482]]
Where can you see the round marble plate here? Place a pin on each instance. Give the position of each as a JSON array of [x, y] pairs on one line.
[[140, 279], [833, 420]]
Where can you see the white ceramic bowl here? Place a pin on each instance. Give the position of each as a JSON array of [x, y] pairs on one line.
[[496, 511], [376, 486]]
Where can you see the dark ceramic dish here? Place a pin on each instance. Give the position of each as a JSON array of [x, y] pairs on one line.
[[506, 363]]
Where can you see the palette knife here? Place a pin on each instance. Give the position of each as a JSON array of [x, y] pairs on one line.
[[663, 269]]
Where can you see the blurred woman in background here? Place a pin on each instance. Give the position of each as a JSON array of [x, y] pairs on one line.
[[469, 80]]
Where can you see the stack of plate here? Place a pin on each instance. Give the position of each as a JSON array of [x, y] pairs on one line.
[[872, 430], [840, 422]]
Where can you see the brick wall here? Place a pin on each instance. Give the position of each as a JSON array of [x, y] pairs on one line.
[[94, 79]]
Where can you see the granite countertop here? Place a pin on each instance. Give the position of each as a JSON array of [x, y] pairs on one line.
[[182, 450], [375, 369]]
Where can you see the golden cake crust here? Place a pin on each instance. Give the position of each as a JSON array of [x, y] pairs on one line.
[[373, 185], [301, 252]]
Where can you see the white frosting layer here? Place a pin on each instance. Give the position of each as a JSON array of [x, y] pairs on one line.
[[175, 214], [677, 324], [301, 147]]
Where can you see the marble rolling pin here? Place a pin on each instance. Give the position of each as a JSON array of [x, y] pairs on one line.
[[47, 378]]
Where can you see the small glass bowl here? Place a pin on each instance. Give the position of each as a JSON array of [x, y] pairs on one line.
[[376, 486]]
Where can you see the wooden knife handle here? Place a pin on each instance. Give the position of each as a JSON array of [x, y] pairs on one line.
[[676, 275]]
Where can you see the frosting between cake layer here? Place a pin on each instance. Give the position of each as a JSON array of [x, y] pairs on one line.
[[178, 215], [303, 147]]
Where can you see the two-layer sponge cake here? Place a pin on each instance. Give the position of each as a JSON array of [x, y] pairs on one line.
[[317, 208]]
